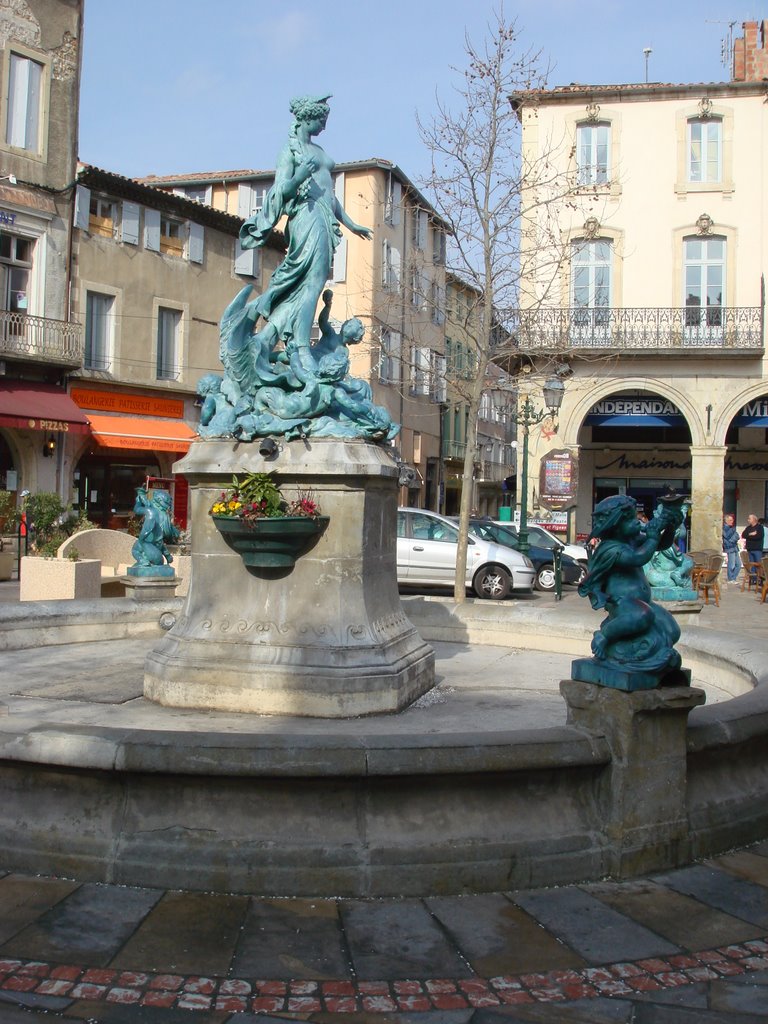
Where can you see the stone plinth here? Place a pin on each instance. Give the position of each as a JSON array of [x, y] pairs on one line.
[[328, 637], [150, 588], [646, 819]]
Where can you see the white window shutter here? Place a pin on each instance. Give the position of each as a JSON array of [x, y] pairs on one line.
[[82, 207], [338, 187], [395, 265], [339, 271], [152, 230], [422, 229], [397, 201], [246, 260], [208, 195], [130, 223], [385, 262], [196, 247], [395, 355], [244, 200], [441, 389]]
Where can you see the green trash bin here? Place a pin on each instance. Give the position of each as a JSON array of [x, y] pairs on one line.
[[505, 514]]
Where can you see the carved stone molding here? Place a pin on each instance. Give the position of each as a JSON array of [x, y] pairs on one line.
[[705, 224], [591, 227], [705, 107], [593, 111]]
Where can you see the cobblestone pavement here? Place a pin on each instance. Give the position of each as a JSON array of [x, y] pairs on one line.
[[684, 947]]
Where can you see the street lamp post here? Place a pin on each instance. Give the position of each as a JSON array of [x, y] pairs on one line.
[[527, 417]]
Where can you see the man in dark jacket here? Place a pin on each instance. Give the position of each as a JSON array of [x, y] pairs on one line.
[[752, 535]]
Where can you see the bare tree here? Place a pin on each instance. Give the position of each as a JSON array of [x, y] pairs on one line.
[[489, 191]]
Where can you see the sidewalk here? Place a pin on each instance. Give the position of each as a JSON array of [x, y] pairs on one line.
[[687, 946]]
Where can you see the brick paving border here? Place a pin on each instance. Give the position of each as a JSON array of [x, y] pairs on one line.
[[194, 992]]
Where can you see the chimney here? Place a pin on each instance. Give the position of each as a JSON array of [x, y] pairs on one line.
[[750, 53]]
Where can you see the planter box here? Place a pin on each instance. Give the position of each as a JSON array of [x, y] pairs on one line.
[[58, 579], [7, 563]]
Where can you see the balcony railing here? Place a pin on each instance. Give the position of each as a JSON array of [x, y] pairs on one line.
[[40, 340], [732, 329]]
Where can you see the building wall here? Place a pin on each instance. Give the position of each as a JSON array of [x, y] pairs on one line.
[[647, 209]]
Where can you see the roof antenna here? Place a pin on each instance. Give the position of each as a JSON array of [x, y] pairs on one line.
[[647, 51]]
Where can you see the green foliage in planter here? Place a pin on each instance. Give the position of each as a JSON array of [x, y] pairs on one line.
[[260, 489]]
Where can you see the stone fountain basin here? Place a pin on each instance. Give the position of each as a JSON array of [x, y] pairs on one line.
[[481, 785]]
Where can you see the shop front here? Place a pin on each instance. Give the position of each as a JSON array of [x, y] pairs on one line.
[[641, 444], [135, 440]]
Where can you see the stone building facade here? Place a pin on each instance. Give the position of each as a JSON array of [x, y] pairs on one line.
[[659, 307]]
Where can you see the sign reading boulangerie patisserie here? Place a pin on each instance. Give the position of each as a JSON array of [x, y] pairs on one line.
[[558, 479]]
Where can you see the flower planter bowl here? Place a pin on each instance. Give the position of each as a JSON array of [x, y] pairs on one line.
[[270, 543]]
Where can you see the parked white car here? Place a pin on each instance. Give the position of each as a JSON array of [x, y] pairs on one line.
[[426, 556], [541, 536]]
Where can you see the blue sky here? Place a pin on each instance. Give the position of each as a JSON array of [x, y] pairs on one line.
[[186, 85]]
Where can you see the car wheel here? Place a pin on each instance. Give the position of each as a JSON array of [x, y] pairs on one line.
[[545, 578], [492, 581], [583, 570]]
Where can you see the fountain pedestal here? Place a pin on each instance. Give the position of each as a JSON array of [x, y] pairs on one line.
[[327, 637]]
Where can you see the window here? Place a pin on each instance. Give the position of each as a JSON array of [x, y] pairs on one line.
[[24, 113], [197, 193], [392, 201], [591, 269], [172, 234], [437, 300], [705, 150], [15, 265], [418, 288], [168, 336], [421, 372], [704, 278], [593, 153], [419, 224], [102, 218], [390, 266], [438, 246], [389, 357], [98, 330]]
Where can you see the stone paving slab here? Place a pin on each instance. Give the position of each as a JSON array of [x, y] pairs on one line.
[[295, 938], [596, 931], [487, 927], [721, 890], [186, 933], [681, 919]]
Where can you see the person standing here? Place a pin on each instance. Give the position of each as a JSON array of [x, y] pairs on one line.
[[752, 535], [731, 547], [765, 536]]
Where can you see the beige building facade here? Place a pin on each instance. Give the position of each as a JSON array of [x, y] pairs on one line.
[[40, 340], [659, 305], [153, 273]]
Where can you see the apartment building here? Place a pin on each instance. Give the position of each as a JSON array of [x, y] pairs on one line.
[[153, 272], [659, 305], [40, 340], [394, 283]]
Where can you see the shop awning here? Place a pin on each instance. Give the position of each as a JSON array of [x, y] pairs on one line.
[[141, 432], [28, 406]]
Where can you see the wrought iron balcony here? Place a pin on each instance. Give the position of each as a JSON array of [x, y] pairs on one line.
[[730, 330], [39, 339]]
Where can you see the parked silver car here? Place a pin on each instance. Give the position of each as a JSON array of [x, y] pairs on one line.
[[426, 556]]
